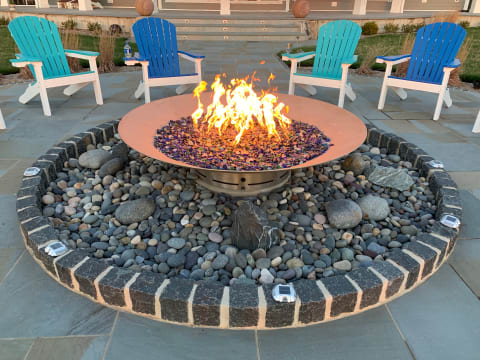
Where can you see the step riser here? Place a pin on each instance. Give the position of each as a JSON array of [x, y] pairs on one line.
[[286, 22], [282, 38], [230, 29]]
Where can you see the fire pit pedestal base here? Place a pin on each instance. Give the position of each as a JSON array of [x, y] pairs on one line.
[[242, 183]]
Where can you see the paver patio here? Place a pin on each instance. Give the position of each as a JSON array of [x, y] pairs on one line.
[[439, 320]]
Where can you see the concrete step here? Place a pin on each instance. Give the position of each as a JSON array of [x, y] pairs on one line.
[[241, 36], [230, 28], [177, 20]]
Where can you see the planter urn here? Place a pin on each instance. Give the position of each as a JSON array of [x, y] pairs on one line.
[[144, 7], [301, 8]]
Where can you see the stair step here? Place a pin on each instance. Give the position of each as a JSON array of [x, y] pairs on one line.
[[242, 36], [225, 29]]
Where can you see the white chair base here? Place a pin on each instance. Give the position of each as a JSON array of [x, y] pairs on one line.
[[476, 126], [2, 121]]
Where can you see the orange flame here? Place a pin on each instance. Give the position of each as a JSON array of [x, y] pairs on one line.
[[244, 109]]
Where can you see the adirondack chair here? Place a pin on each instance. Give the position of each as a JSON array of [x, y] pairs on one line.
[[42, 50], [2, 121], [336, 45], [431, 62], [157, 45]]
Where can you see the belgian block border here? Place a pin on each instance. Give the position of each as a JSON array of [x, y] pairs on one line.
[[240, 306]]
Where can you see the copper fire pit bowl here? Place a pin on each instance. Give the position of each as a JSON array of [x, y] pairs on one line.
[[346, 131]]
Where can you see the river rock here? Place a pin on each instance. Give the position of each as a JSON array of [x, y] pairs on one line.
[[266, 277], [355, 163], [135, 211], [94, 159], [110, 167], [390, 177], [251, 228], [374, 207], [343, 214]]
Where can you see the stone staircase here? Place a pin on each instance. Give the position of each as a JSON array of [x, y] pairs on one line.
[[239, 29]]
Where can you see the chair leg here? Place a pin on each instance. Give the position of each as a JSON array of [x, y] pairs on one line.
[[291, 87], [72, 89], [447, 98], [140, 90], [341, 96], [182, 88], [402, 94], [383, 95], [476, 126], [438, 107], [98, 91], [30, 92], [147, 93], [45, 103], [3, 125], [349, 92], [309, 89]]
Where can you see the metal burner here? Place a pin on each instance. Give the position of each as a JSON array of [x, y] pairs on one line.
[[346, 131], [242, 183]]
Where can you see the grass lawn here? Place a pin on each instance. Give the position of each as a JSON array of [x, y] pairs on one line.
[[86, 42], [391, 44]]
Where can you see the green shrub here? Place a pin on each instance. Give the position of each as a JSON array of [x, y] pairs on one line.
[[408, 28], [391, 28], [370, 28], [95, 27], [471, 78], [69, 24], [419, 26], [4, 20], [465, 24]]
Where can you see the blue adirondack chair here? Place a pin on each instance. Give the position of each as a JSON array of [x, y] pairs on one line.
[[157, 45], [431, 62], [42, 50], [336, 45]]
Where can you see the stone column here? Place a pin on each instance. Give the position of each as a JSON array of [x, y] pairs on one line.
[[397, 6], [42, 4], [85, 5], [224, 7], [360, 7], [475, 7]]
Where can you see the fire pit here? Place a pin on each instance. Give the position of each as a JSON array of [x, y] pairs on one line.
[[342, 128]]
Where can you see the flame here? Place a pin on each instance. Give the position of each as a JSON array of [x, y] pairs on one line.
[[243, 108]]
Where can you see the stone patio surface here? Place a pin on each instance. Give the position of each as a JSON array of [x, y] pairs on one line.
[[439, 320]]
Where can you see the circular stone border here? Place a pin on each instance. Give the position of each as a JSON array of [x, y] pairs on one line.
[[240, 306]]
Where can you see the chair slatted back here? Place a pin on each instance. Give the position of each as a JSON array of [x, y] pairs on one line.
[[157, 42], [337, 41], [39, 38], [435, 46]]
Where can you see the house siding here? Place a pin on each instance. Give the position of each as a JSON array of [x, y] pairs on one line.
[[447, 5], [341, 5]]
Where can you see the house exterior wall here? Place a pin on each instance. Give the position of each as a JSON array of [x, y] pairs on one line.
[[428, 5]]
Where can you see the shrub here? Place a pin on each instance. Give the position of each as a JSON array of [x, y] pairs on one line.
[[419, 26], [4, 20], [69, 24], [70, 40], [106, 47], [407, 47], [408, 28], [464, 24], [370, 28], [95, 27], [391, 28], [115, 29]]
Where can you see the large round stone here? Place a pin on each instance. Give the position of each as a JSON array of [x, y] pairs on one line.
[[374, 207], [94, 159], [343, 214], [355, 163], [110, 167], [135, 211]]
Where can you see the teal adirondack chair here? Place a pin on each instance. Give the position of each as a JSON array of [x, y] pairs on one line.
[[336, 45], [157, 46], [42, 50], [431, 62]]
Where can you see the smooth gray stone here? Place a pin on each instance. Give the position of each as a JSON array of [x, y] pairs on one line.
[[343, 214], [94, 159], [135, 211], [374, 207], [110, 167]]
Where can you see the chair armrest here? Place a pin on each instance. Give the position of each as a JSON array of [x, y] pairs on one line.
[[299, 57], [350, 61], [395, 59], [81, 54], [190, 56], [22, 61], [454, 64]]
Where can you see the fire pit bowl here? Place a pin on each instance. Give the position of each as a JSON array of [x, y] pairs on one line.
[[345, 130]]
